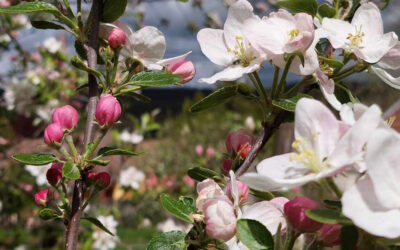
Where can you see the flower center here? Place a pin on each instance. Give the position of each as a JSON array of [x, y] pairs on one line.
[[241, 52], [293, 34], [306, 155], [355, 40]]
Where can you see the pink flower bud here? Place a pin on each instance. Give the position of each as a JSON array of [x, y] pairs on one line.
[[151, 181], [117, 38], [220, 218], [54, 173], [42, 197], [108, 110], [227, 165], [4, 3], [90, 178], [185, 69], [102, 180], [206, 190], [53, 134], [199, 150], [210, 152], [243, 191], [239, 141], [329, 235], [189, 181], [295, 212], [66, 116]]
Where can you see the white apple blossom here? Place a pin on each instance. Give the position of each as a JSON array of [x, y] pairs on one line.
[[325, 146], [131, 177], [390, 61], [170, 225], [39, 172], [230, 47], [363, 36], [134, 137], [103, 240], [52, 45], [206, 190], [373, 204], [282, 33]]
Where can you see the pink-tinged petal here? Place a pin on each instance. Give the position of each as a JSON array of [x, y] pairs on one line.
[[316, 124], [368, 18], [238, 14], [267, 213], [213, 46], [300, 43], [233, 72], [277, 173], [337, 31], [311, 63], [391, 60], [373, 51], [173, 60], [387, 78], [383, 166], [349, 148], [327, 87], [105, 29], [361, 205]]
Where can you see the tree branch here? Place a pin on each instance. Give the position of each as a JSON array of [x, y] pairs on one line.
[[79, 186]]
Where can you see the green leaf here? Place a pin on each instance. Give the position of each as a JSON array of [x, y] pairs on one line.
[[189, 202], [71, 171], [254, 235], [79, 64], [289, 104], [308, 6], [218, 97], [174, 240], [176, 207], [97, 223], [262, 195], [30, 7], [35, 159], [47, 214], [154, 79], [98, 162], [328, 216], [348, 237], [200, 174], [80, 87], [325, 10], [117, 151], [46, 25], [130, 92], [112, 10], [332, 62]]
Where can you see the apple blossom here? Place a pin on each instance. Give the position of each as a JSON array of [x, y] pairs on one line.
[[42, 197], [108, 110], [66, 116], [295, 212], [363, 36], [242, 189], [53, 134], [117, 38], [207, 190], [390, 61], [183, 68], [323, 148], [373, 202], [239, 141], [230, 47], [220, 218], [282, 33]]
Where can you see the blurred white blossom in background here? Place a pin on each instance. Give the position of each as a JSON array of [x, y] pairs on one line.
[[39, 172], [131, 177], [170, 225], [103, 240]]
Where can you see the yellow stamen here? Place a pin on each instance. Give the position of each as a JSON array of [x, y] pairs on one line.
[[293, 34]]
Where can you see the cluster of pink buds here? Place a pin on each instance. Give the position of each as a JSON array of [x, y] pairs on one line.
[[64, 120], [108, 111], [238, 145]]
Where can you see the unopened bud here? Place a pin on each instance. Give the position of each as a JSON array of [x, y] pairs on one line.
[[185, 69], [42, 197], [66, 116], [53, 134], [117, 38], [295, 212], [227, 165], [108, 110], [102, 180], [239, 142], [54, 173], [243, 191]]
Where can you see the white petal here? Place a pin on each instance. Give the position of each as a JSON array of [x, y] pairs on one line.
[[148, 44], [213, 46], [234, 188], [383, 166], [368, 18], [317, 124], [349, 148], [386, 77], [267, 213], [327, 87], [277, 173], [105, 29], [337, 31], [238, 14], [373, 51], [311, 63], [392, 59], [362, 207], [172, 60]]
